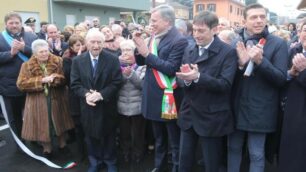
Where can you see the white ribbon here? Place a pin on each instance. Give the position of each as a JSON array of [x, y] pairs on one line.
[[20, 144]]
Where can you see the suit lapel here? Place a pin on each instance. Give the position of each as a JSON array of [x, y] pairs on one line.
[[101, 65], [87, 69], [203, 57], [212, 50]]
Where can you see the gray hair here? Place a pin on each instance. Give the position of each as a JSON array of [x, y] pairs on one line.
[[229, 35], [116, 28], [38, 43], [166, 12], [181, 25], [127, 43], [94, 33]]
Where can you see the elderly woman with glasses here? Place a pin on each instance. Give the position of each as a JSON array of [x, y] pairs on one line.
[[46, 110], [132, 123]]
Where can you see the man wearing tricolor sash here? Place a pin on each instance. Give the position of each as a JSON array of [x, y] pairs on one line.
[[15, 48], [160, 102]]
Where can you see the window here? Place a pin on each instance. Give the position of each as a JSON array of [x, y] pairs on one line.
[[231, 8], [211, 7], [200, 7], [237, 11]]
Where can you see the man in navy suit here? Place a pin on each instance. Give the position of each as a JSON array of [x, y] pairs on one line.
[[208, 71], [96, 78], [166, 60]]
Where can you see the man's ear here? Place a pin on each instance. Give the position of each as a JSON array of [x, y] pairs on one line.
[[215, 30], [243, 22]]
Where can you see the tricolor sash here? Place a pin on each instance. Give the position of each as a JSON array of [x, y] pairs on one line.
[[168, 84], [9, 40]]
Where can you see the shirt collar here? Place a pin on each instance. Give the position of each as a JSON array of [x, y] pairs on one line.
[[92, 57], [207, 46]]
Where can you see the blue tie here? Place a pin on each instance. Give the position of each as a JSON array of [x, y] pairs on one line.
[[94, 67]]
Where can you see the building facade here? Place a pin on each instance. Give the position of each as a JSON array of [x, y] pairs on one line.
[[69, 12], [229, 9], [26, 8]]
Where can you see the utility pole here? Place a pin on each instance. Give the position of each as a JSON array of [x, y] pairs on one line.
[[153, 3]]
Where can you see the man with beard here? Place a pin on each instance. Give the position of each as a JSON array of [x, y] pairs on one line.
[[15, 48]]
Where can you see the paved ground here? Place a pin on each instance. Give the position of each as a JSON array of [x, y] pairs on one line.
[[14, 160]]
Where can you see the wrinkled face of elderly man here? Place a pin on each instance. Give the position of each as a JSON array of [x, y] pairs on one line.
[[94, 42]]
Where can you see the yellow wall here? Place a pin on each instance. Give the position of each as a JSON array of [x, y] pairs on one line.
[[38, 6]]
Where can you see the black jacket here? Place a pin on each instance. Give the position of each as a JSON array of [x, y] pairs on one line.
[[206, 104], [99, 120], [10, 66]]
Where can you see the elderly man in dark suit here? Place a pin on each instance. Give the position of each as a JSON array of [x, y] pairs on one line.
[[96, 78], [256, 94], [158, 103], [208, 72], [15, 48]]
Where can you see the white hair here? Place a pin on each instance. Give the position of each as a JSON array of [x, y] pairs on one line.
[[166, 12], [127, 43], [94, 33], [38, 43], [181, 25], [116, 28]]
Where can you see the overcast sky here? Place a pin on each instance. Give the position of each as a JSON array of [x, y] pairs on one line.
[[282, 7]]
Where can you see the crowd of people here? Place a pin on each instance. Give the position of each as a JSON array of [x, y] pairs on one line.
[[167, 87]]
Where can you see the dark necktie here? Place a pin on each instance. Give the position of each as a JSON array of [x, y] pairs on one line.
[[94, 67]]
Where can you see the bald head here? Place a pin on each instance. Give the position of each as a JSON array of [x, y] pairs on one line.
[[52, 31]]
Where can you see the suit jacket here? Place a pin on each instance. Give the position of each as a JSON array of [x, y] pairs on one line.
[[170, 52], [10, 67], [97, 120], [206, 104]]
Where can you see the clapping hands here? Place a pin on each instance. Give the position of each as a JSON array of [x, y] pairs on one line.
[[188, 72], [17, 46]]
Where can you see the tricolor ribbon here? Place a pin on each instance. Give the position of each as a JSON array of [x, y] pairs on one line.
[[168, 84]]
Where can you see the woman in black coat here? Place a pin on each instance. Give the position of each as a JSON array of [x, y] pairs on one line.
[[76, 47], [293, 138]]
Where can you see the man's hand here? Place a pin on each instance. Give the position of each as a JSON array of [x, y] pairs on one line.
[[185, 68], [255, 53], [242, 52], [299, 62], [190, 74], [14, 49], [293, 72], [58, 44], [94, 96], [89, 102], [140, 44]]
